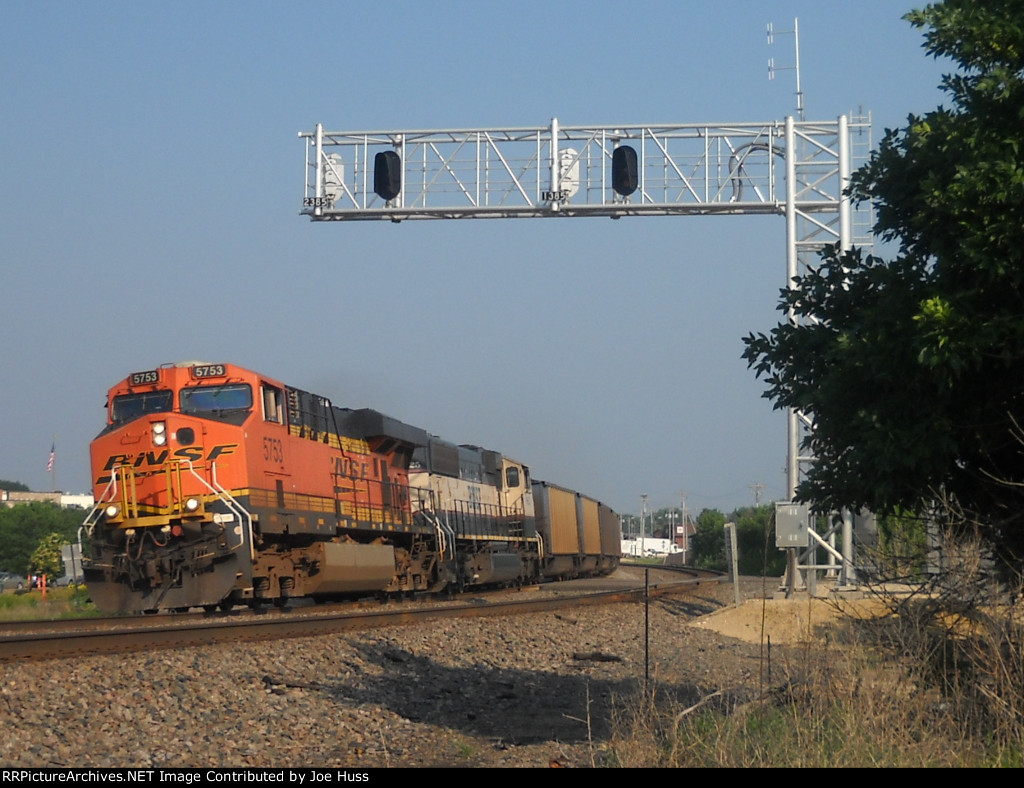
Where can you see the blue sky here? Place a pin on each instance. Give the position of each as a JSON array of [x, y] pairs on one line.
[[151, 180]]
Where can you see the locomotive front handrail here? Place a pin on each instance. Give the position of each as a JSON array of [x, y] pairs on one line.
[[450, 542], [130, 504], [446, 540], [244, 518], [89, 523]]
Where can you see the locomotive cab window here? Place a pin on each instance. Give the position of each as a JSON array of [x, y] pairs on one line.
[[129, 407], [273, 399], [512, 476], [216, 399]]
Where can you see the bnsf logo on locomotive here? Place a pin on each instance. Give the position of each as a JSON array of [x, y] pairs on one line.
[[351, 469], [158, 458]]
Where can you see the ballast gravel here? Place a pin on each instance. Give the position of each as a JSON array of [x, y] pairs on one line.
[[527, 691]]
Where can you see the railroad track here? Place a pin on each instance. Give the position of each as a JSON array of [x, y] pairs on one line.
[[81, 637]]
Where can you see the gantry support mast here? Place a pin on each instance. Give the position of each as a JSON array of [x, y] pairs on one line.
[[794, 168]]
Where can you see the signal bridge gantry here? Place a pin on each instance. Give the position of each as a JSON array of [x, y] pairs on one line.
[[794, 168], [559, 170]]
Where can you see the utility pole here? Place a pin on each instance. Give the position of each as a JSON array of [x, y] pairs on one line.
[[643, 517], [686, 525]]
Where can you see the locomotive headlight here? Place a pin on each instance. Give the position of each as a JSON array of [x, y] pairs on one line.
[[159, 433], [112, 511], [192, 504]]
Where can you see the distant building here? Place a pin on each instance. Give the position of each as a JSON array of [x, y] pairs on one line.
[[83, 500], [683, 536], [63, 500]]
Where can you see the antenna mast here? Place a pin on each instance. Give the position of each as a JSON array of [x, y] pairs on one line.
[[772, 68]]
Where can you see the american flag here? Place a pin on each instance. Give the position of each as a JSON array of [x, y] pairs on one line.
[[53, 456]]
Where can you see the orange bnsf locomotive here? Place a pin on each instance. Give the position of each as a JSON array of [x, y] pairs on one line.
[[217, 486]]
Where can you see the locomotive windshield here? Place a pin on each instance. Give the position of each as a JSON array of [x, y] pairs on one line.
[[207, 399], [129, 407]]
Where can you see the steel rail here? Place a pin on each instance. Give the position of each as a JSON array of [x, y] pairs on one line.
[[62, 640]]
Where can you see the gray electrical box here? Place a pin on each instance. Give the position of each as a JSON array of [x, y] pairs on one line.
[[865, 528], [791, 525]]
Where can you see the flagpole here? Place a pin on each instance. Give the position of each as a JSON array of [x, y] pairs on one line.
[[53, 464]]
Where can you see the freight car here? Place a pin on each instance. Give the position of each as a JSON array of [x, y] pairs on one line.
[[217, 486]]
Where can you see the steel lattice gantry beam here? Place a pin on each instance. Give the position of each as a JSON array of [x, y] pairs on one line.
[[793, 168], [560, 170]]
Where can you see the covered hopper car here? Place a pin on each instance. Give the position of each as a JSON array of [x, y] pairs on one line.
[[217, 486]]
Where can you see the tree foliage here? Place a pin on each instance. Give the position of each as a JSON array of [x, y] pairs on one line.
[[23, 527], [46, 558], [755, 541], [707, 544], [10, 486], [912, 369]]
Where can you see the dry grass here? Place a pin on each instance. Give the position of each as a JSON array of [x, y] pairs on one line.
[[937, 681]]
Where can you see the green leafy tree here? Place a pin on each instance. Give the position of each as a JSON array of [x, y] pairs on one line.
[[913, 369], [13, 486], [707, 544], [755, 542], [22, 528], [46, 558]]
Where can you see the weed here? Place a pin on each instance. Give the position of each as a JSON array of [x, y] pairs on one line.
[[60, 603], [937, 682]]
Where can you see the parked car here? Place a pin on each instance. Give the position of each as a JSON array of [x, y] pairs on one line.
[[10, 581]]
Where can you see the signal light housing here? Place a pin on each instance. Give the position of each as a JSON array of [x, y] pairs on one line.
[[625, 178], [387, 174]]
